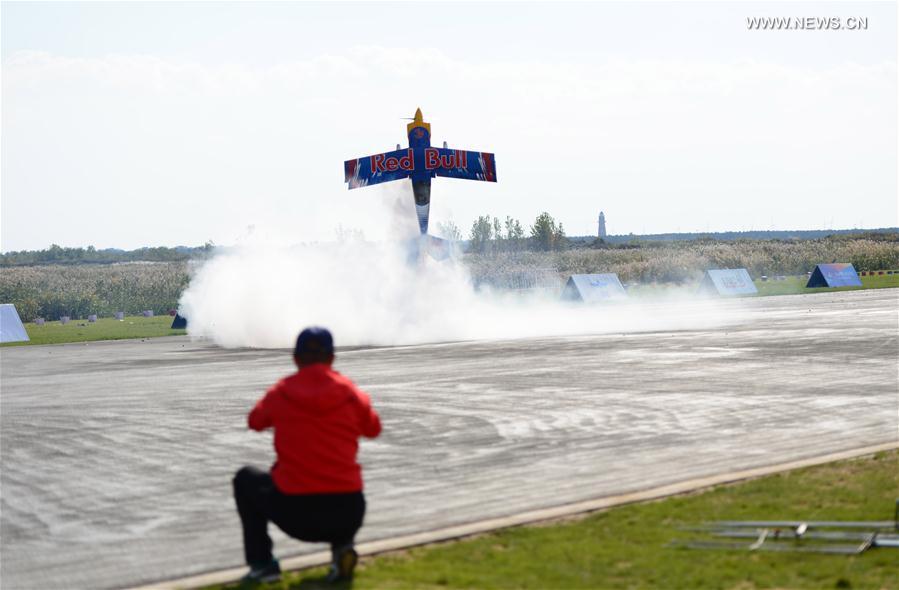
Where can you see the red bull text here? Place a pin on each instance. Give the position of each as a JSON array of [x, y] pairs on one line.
[[456, 159], [433, 160], [383, 163]]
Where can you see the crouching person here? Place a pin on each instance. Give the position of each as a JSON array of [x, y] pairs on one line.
[[314, 489]]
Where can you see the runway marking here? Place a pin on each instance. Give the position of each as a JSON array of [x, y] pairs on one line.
[[379, 546]]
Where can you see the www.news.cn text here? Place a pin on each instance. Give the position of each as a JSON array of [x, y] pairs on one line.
[[806, 23]]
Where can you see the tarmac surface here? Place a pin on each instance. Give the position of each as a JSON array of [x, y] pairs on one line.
[[117, 457]]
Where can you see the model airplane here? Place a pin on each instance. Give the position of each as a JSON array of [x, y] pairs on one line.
[[420, 163]]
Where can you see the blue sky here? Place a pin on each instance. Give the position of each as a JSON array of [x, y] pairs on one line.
[[129, 124]]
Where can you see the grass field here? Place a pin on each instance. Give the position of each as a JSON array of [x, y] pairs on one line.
[[631, 546], [790, 285], [102, 329], [794, 285]]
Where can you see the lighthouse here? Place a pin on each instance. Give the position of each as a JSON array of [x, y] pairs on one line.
[[602, 225]]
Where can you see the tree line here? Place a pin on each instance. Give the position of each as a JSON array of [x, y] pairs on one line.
[[56, 254], [490, 234]]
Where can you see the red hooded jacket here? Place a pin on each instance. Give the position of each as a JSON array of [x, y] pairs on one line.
[[318, 416]]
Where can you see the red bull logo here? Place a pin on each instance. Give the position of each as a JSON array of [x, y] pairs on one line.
[[385, 163], [455, 159], [433, 160]]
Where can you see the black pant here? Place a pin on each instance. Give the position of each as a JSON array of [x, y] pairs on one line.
[[329, 518]]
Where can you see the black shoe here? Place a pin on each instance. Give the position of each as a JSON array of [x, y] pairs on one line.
[[261, 574], [343, 563]]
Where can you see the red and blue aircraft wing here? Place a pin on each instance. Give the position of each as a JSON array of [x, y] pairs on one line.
[[431, 162], [461, 164], [378, 168]]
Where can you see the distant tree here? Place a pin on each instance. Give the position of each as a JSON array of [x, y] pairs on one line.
[[449, 231], [53, 254], [481, 233], [514, 233], [546, 234], [56, 254], [498, 234]]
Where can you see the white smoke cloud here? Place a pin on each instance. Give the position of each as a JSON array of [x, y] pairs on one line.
[[260, 294]]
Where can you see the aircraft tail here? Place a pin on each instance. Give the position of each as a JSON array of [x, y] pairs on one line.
[[422, 212]]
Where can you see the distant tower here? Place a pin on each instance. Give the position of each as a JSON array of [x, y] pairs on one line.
[[602, 225]]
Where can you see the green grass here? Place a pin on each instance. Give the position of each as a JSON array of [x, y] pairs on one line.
[[102, 329], [793, 285], [630, 546]]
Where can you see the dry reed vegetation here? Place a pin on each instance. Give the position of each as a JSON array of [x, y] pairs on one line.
[[679, 262], [77, 291]]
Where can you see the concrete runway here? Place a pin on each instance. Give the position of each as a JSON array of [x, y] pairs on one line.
[[117, 456]]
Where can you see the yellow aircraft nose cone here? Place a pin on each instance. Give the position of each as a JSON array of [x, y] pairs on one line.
[[418, 121]]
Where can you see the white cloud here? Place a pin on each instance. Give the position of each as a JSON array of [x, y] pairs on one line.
[[128, 150]]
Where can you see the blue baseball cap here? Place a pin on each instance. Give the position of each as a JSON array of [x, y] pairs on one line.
[[314, 340]]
